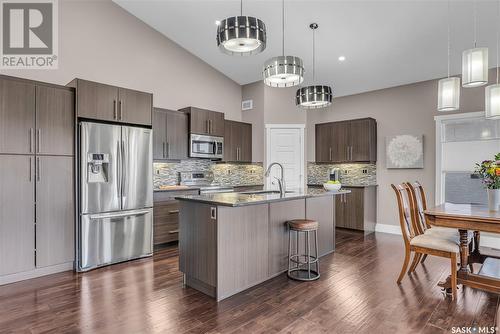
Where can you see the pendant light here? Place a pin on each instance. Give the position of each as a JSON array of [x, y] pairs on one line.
[[316, 96], [449, 88], [283, 71], [241, 35], [475, 62], [492, 92]]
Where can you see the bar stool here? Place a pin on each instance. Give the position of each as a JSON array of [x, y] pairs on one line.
[[302, 270]]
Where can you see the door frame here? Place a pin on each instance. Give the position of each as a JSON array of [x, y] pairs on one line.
[[301, 128]]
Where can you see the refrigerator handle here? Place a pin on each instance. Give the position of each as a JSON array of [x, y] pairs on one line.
[[124, 172], [117, 215], [118, 173]]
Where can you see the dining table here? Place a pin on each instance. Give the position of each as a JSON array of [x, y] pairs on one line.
[[466, 218]]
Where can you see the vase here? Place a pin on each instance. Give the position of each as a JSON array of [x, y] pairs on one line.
[[493, 199]]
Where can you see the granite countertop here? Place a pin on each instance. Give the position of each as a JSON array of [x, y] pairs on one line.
[[346, 185], [241, 199]]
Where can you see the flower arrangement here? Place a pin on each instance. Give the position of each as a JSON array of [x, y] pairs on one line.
[[489, 170]]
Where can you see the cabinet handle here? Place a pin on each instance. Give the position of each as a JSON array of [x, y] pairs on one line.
[[207, 126], [173, 232], [114, 110], [163, 152], [173, 212], [39, 140], [30, 133], [351, 154], [38, 169], [210, 126], [120, 110], [330, 152], [213, 212], [168, 150], [29, 177]]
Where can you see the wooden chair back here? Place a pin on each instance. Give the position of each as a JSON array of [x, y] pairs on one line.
[[404, 209], [419, 206]]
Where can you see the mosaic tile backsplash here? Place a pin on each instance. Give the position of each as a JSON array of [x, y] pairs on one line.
[[167, 174], [350, 174]]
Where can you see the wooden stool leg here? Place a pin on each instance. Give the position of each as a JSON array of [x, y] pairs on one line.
[[423, 258], [405, 265], [453, 276]]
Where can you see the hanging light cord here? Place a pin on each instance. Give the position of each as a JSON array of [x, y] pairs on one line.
[[241, 7], [449, 43], [283, 26], [498, 33], [314, 56], [475, 22]]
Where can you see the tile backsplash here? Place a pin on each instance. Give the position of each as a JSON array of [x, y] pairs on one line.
[[167, 173], [350, 174]]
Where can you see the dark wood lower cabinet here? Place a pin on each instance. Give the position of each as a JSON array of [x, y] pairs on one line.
[[166, 215], [55, 228], [166, 222], [357, 210], [17, 214]]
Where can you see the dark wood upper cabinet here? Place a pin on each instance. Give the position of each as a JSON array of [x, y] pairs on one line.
[[347, 141], [237, 141], [363, 140], [205, 122], [134, 107], [55, 119], [109, 103], [96, 100], [17, 116], [159, 134], [170, 134]]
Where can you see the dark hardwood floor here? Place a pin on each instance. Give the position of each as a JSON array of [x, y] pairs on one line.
[[357, 293]]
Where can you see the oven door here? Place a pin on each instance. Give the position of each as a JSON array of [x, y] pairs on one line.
[[206, 147]]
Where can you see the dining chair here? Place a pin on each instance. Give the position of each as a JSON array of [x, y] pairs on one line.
[[420, 243], [418, 208]]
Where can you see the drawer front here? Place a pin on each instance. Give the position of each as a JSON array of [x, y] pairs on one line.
[[166, 222], [162, 196]]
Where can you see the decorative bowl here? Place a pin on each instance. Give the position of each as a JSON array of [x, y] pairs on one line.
[[332, 186]]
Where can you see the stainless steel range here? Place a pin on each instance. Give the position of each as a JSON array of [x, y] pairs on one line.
[[205, 181]]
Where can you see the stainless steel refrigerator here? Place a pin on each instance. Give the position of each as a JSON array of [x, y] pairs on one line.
[[115, 194]]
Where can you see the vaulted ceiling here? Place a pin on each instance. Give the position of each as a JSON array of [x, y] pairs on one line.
[[386, 43]]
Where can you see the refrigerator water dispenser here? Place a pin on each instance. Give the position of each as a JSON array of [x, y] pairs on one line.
[[98, 167]]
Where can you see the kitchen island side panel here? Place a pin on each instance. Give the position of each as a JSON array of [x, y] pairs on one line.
[[198, 246], [242, 248], [279, 214], [322, 210]]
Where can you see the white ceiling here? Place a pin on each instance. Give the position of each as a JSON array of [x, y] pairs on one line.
[[386, 43]]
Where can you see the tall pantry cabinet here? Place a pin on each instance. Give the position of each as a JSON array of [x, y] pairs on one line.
[[36, 178]]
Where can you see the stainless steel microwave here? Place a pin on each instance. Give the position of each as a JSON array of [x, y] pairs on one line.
[[210, 147]]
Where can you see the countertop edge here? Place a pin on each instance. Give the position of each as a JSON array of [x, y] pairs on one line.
[[200, 199]]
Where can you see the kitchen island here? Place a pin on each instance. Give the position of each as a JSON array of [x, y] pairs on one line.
[[229, 242]]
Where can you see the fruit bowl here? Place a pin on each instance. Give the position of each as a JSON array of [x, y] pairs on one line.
[[332, 186]]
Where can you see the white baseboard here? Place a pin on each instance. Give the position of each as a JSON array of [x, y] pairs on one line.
[[487, 239], [7, 279]]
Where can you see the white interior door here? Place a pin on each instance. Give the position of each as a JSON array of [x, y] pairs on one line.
[[285, 145]]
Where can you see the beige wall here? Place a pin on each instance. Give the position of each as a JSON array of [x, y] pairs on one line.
[[408, 109], [100, 41], [271, 106]]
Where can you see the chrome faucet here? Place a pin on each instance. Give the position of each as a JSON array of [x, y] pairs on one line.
[[281, 180]]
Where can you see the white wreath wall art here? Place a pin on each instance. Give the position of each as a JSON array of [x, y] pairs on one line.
[[405, 151]]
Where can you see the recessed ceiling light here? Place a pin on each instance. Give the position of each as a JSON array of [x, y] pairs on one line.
[[217, 22], [341, 58]]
